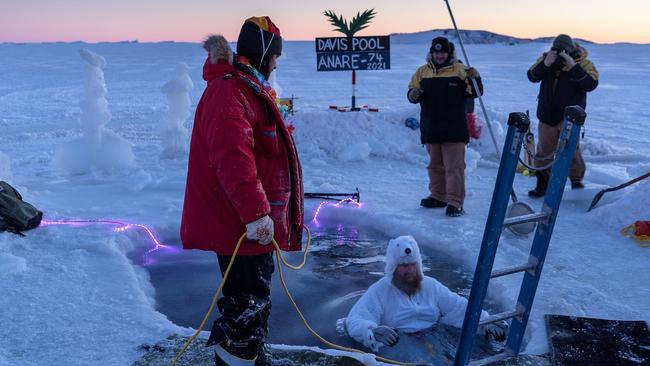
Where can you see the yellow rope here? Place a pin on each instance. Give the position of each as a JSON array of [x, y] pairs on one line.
[[281, 261], [214, 301], [304, 254]]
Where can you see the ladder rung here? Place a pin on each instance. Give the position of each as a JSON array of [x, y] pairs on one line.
[[534, 217], [502, 316], [514, 269]]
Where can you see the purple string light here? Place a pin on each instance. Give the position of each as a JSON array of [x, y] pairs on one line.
[[121, 227], [337, 204]]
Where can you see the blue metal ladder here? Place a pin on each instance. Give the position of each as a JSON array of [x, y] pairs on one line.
[[518, 124]]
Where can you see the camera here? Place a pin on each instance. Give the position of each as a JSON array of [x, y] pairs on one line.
[[559, 61]]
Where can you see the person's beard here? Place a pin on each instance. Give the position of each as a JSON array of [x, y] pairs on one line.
[[442, 64], [408, 285]]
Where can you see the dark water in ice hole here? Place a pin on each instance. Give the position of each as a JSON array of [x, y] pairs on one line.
[[343, 261]]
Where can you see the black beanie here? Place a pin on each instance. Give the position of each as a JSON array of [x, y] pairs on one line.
[[564, 42], [440, 44], [257, 35]]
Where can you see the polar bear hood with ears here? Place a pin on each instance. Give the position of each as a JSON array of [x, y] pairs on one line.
[[402, 250], [218, 48]]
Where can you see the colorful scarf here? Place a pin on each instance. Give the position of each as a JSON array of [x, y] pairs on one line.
[[244, 65]]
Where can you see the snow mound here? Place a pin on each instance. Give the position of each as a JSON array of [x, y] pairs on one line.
[[355, 136], [82, 156], [607, 175], [633, 206], [330, 134], [357, 152], [598, 147], [325, 136]]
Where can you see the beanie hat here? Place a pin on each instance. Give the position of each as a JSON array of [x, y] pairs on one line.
[[564, 43], [402, 250], [440, 44], [258, 38]]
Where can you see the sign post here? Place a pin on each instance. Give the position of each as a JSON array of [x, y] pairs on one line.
[[353, 53], [354, 89]]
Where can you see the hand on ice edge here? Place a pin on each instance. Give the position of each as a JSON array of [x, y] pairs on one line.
[[496, 330]]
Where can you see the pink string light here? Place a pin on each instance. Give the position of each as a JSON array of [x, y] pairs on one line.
[[121, 227], [346, 201]]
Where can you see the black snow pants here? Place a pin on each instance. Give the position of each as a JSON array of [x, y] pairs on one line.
[[245, 306]]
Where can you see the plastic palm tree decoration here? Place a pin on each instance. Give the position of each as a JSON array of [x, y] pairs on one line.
[[359, 22]]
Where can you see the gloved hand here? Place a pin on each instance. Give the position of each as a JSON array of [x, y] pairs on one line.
[[550, 58], [260, 230], [414, 94], [473, 73], [496, 330], [386, 335], [569, 62]]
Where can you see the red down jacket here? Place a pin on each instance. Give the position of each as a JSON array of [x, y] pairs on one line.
[[242, 165]]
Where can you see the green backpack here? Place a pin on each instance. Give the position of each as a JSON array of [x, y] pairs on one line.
[[16, 215]]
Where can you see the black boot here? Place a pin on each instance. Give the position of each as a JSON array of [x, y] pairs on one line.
[[540, 187], [453, 211], [431, 202], [576, 184], [264, 358], [225, 355]]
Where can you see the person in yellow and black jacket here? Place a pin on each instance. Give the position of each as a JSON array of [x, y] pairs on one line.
[[442, 87], [566, 75]]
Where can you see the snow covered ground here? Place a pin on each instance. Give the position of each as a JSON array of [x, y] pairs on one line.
[[70, 294]]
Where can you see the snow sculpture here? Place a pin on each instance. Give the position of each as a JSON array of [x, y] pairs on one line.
[[174, 135], [98, 147]]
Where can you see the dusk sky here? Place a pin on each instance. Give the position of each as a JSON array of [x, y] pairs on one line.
[[190, 20]]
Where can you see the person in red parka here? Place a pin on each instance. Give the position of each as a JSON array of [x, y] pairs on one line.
[[243, 176]]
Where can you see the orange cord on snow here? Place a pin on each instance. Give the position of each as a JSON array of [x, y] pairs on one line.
[[281, 261]]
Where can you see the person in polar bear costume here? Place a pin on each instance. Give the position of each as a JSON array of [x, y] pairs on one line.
[[405, 301]]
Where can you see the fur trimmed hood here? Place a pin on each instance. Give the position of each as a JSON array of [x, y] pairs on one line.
[[218, 48]]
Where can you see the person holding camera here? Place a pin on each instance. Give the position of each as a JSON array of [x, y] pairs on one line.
[[566, 75]]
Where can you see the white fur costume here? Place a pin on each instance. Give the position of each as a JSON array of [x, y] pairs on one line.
[[385, 304]]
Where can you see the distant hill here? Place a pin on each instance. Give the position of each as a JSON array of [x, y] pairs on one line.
[[469, 37], [550, 39]]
